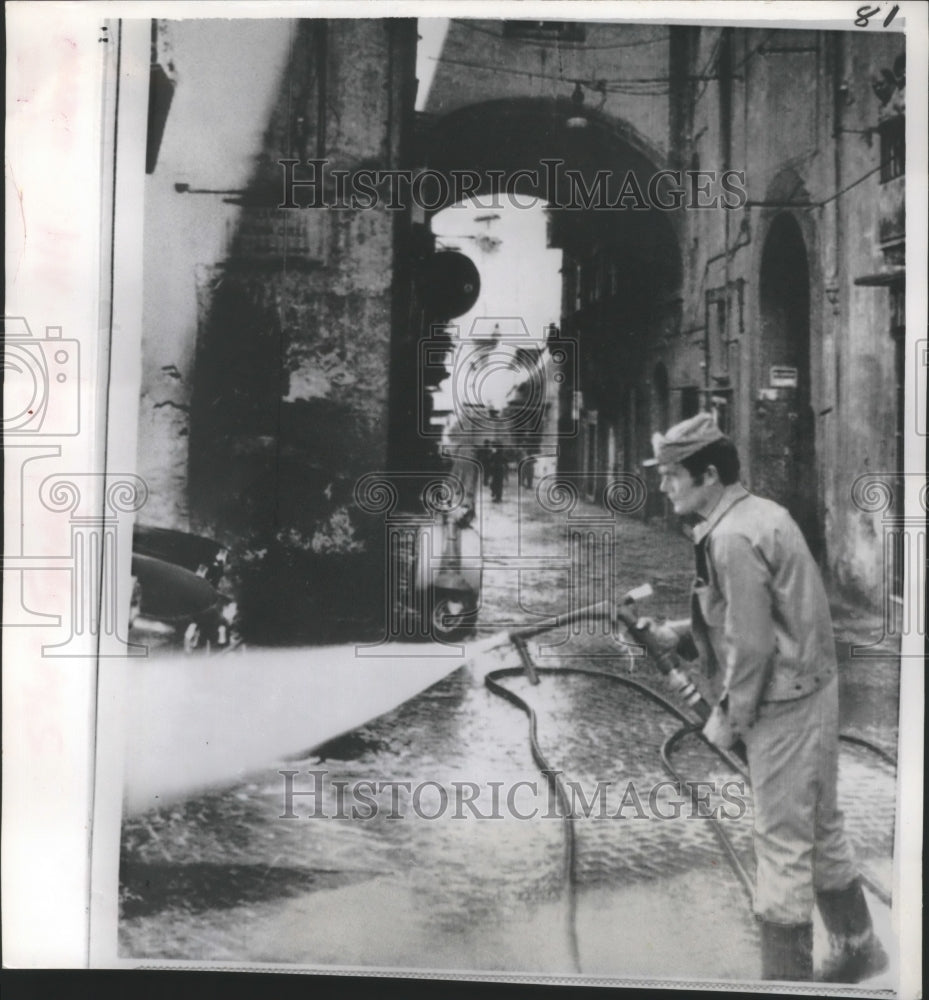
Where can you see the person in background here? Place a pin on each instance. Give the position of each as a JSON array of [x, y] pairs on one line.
[[483, 456], [527, 470], [498, 468]]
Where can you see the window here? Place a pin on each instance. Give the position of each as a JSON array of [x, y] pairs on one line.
[[893, 148], [717, 339], [690, 401]]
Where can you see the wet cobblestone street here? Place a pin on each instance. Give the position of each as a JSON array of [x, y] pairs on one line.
[[224, 878]]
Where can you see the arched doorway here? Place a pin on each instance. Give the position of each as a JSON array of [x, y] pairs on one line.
[[622, 264], [784, 430]]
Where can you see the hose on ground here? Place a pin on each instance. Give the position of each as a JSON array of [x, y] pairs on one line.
[[728, 849], [492, 679]]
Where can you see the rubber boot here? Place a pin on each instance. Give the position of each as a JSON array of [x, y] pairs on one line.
[[786, 951], [855, 951]]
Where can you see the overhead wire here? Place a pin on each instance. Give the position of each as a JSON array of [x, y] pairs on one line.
[[616, 83], [754, 52], [545, 43], [806, 205], [714, 53], [848, 187], [742, 62], [635, 86]]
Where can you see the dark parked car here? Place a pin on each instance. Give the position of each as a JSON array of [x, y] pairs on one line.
[[175, 598]]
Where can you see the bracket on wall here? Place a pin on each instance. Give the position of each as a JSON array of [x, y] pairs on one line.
[[832, 294]]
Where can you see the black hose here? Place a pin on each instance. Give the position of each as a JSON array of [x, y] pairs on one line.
[[868, 745], [734, 860], [554, 779]]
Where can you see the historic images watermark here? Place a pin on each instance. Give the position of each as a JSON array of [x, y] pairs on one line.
[[541, 371], [322, 797], [314, 184], [433, 521]]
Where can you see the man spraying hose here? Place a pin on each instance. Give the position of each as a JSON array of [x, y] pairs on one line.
[[761, 624]]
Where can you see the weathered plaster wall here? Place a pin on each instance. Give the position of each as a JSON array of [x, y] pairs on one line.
[[796, 114], [274, 325], [206, 146], [803, 113]]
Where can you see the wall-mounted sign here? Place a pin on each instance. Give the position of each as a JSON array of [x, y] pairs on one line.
[[449, 284], [273, 236], [783, 377]]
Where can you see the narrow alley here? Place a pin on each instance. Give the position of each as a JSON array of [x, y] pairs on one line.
[[443, 887]]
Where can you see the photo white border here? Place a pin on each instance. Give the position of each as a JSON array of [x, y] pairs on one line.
[[48, 794]]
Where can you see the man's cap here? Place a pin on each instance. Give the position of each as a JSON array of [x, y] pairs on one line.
[[684, 439]]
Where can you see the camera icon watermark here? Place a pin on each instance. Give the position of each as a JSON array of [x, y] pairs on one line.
[[503, 385], [41, 381]]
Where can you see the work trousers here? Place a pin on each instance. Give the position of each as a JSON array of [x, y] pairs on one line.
[[800, 845]]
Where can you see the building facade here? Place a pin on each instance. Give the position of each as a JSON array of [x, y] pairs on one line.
[[776, 301], [729, 203], [268, 331]]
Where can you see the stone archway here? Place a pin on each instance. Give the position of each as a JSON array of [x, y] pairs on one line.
[[629, 253]]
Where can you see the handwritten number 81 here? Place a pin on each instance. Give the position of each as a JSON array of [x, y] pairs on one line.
[[866, 13]]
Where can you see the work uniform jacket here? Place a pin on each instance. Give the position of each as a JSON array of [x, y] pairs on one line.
[[760, 616]]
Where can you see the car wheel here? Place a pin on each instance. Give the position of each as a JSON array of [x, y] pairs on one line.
[[447, 625], [194, 640]]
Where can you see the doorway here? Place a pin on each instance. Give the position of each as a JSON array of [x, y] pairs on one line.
[[783, 433]]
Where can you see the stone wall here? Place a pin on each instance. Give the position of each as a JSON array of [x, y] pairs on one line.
[[801, 125], [268, 332], [797, 112]]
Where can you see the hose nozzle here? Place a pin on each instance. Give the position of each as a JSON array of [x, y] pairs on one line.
[[686, 690]]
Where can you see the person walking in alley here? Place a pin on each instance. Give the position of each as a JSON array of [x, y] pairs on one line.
[[498, 467], [760, 620], [527, 470], [483, 456]]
